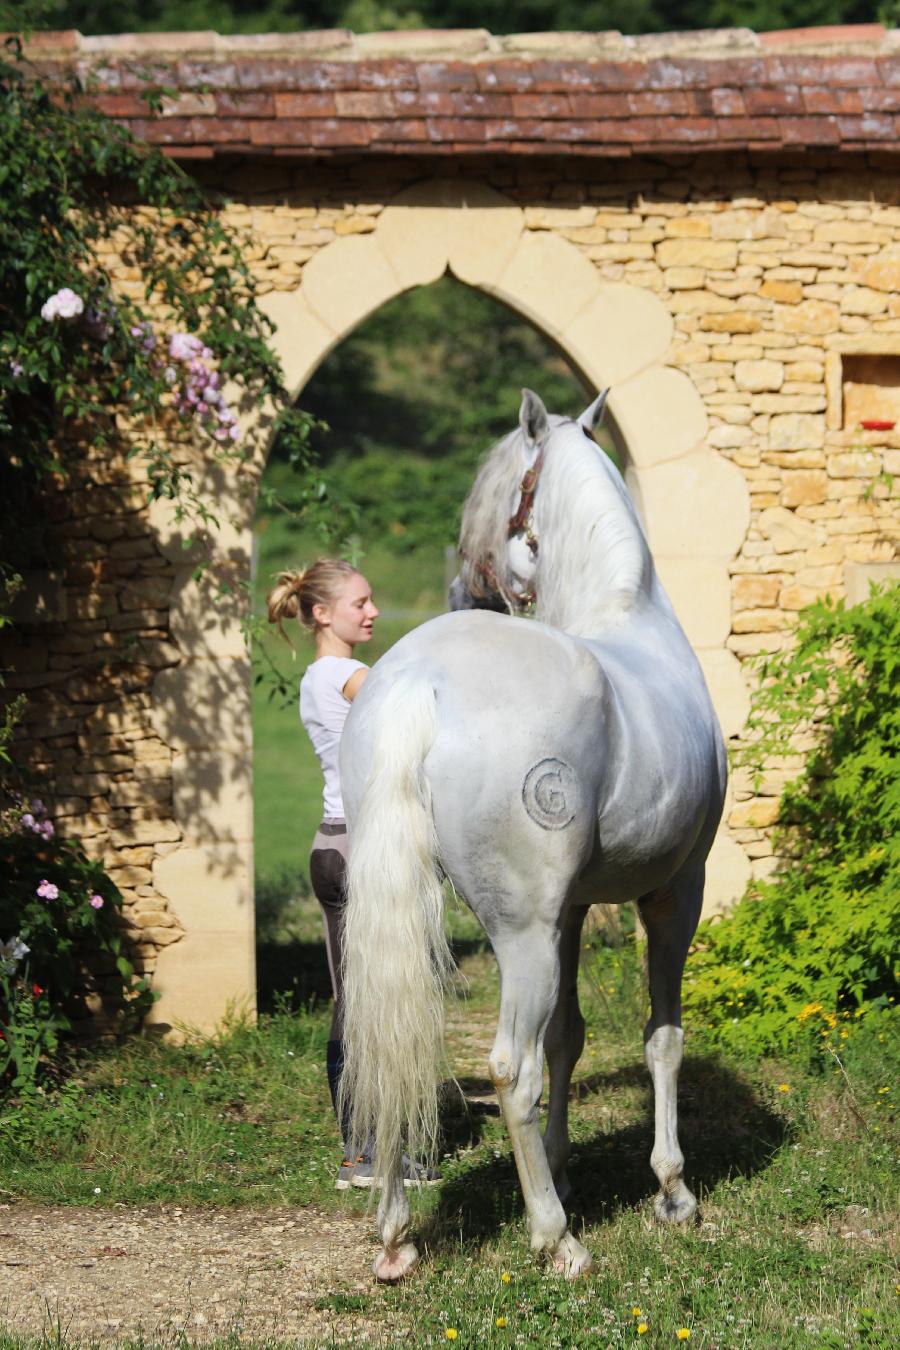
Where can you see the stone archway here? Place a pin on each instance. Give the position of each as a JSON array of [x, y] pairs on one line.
[[695, 506]]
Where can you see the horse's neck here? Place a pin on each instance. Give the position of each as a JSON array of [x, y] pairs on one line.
[[595, 569]]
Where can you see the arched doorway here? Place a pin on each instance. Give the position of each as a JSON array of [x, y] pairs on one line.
[[695, 507]]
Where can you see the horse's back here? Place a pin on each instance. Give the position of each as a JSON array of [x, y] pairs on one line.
[[513, 795], [553, 756]]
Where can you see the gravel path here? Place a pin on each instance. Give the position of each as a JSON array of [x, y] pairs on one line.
[[101, 1275]]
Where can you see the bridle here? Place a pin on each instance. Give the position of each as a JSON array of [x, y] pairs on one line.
[[520, 523]]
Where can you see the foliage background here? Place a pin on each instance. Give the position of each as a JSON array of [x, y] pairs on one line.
[[498, 16]]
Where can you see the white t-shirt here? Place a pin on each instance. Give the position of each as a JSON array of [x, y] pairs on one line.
[[323, 711]]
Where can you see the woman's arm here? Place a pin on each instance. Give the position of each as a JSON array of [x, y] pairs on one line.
[[354, 684]]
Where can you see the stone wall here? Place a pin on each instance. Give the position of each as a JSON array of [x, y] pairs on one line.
[[778, 279]]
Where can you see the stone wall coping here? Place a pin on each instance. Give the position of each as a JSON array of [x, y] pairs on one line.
[[455, 92], [477, 44]]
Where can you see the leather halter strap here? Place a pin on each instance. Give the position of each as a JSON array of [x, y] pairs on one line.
[[521, 521]]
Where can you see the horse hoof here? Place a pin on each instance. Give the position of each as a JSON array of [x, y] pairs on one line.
[[393, 1264], [570, 1258], [677, 1206]]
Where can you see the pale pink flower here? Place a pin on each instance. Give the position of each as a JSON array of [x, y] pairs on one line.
[[184, 346], [96, 901], [65, 304], [47, 891]]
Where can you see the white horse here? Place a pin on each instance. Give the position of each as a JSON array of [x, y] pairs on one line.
[[540, 766]]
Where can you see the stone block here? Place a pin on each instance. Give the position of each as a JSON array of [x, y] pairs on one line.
[[696, 506], [854, 464], [755, 592], [756, 376], [759, 621], [727, 689], [212, 793], [790, 532], [732, 321], [727, 875], [203, 705], [347, 281], [785, 292], [817, 317], [803, 487], [859, 577], [211, 971], [620, 331], [863, 300], [701, 596], [758, 813], [137, 831], [659, 416], [796, 431], [720, 254], [204, 622], [547, 280]]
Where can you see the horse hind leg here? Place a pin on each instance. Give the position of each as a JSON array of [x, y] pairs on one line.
[[670, 916], [398, 1257], [529, 975], [563, 1044]]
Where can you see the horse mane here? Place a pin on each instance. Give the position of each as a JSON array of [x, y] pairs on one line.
[[593, 563], [483, 535]]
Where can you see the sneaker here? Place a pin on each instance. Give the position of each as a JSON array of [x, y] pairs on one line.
[[355, 1172], [417, 1174]]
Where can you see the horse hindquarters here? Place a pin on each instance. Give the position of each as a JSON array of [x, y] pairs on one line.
[[396, 959]]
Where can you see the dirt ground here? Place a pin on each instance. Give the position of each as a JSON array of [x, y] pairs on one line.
[[101, 1275]]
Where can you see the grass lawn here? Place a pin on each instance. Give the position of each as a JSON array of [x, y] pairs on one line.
[[795, 1168]]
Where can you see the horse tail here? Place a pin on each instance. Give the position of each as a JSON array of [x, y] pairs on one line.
[[396, 961]]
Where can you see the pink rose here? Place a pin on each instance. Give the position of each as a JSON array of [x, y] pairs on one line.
[[96, 901]]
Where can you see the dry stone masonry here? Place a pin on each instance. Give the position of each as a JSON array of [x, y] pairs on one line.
[[709, 223]]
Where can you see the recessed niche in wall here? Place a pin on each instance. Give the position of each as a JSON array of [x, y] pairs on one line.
[[871, 389], [864, 383]]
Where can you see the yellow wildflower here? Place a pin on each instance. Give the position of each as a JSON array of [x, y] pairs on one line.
[[683, 1333], [636, 1312], [784, 1087], [641, 1328], [505, 1277], [451, 1333], [501, 1322], [808, 1011]]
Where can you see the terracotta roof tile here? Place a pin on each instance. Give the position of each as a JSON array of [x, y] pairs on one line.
[[439, 93]]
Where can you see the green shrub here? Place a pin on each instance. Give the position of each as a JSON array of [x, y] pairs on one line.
[[804, 957]]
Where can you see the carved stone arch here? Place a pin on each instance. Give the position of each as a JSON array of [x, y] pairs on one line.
[[694, 503]]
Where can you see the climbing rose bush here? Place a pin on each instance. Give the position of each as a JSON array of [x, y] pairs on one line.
[[60, 931]]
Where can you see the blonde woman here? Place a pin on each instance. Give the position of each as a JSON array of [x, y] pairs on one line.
[[333, 602]]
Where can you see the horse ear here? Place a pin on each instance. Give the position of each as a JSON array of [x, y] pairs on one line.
[[533, 418], [593, 415]]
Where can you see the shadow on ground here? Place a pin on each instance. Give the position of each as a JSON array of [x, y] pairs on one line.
[[291, 975], [725, 1129]]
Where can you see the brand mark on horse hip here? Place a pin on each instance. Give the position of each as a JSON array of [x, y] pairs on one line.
[[550, 794]]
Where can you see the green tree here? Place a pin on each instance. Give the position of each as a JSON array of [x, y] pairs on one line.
[[411, 400], [498, 16]]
